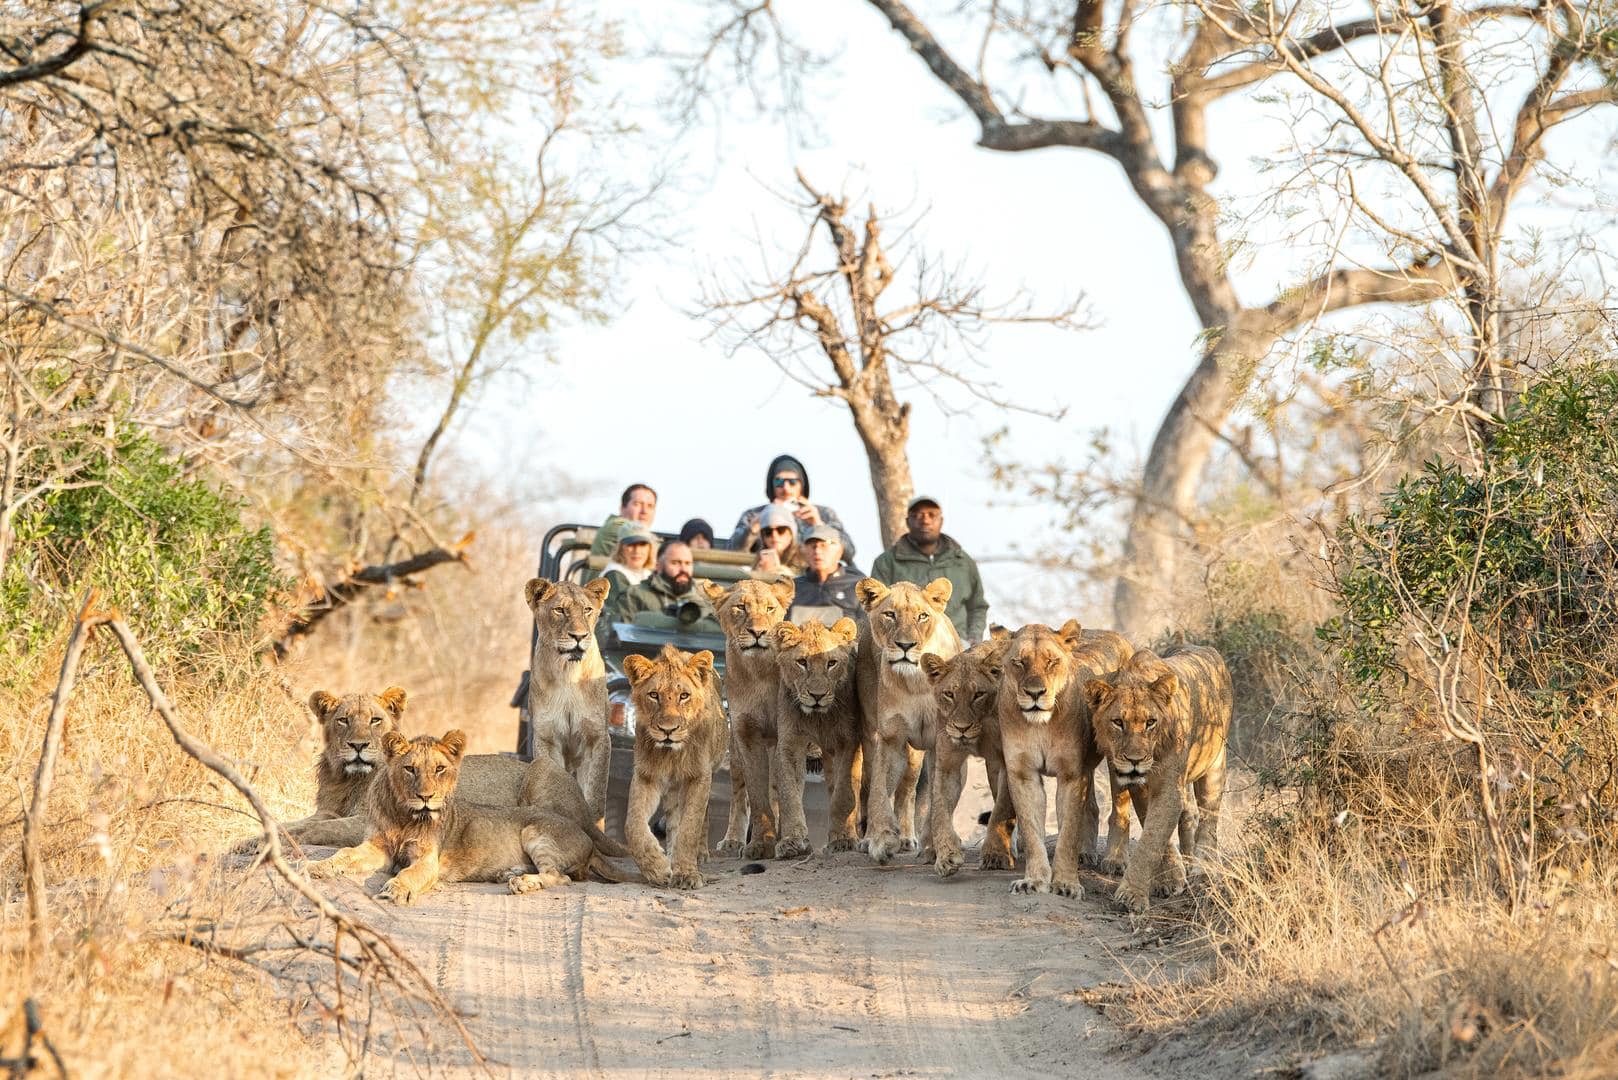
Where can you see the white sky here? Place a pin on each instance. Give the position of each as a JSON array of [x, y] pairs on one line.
[[647, 398]]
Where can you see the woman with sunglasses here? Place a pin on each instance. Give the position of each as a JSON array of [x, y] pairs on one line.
[[786, 485]]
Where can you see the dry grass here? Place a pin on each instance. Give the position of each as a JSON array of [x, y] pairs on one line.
[[132, 830]]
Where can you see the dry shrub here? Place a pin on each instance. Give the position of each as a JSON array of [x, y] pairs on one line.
[[131, 840], [458, 644]]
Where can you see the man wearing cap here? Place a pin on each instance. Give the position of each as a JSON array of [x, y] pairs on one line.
[[925, 553], [786, 484], [825, 589]]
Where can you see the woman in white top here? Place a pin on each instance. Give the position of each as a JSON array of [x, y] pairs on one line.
[[632, 562]]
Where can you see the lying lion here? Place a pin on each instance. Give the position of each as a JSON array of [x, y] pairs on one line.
[[419, 826]]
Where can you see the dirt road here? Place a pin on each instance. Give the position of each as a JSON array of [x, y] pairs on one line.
[[827, 967]]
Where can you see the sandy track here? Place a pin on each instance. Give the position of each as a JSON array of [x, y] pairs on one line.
[[827, 967]]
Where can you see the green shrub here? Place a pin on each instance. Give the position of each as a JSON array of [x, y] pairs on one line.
[[164, 547]]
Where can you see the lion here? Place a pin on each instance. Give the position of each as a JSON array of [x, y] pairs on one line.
[[352, 729], [896, 702], [817, 705], [421, 827], [748, 611], [1045, 731], [679, 742], [966, 690], [1162, 722], [567, 688]]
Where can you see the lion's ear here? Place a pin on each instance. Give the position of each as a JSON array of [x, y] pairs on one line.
[[638, 668], [938, 592], [323, 703], [702, 662], [1096, 692], [714, 593], [598, 589], [785, 591], [394, 744], [870, 592], [785, 635], [1072, 634], [999, 633], [393, 700], [453, 743], [1164, 687], [538, 590], [846, 629], [935, 666]]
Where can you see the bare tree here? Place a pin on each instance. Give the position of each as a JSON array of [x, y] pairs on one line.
[[841, 314], [1400, 104]]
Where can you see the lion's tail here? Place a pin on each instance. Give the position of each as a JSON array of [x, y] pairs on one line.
[[604, 843], [605, 871]]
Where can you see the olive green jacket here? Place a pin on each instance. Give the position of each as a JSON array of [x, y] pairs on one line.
[[968, 609]]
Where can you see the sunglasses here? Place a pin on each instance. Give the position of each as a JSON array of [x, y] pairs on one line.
[[783, 481], [778, 528]]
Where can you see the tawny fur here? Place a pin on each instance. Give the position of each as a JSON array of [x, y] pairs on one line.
[[1162, 722], [567, 688], [420, 828], [966, 690], [817, 704], [896, 701], [748, 611], [679, 741]]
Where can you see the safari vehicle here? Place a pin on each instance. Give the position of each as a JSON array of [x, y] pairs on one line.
[[565, 556]]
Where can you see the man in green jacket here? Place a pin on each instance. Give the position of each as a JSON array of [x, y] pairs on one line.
[[666, 598], [926, 553], [638, 504]]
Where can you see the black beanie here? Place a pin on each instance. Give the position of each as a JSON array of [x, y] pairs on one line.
[[695, 527]]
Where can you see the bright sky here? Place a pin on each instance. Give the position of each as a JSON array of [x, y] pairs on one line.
[[649, 398]]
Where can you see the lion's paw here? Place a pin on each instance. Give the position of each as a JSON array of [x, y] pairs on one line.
[[882, 847], [729, 849], [761, 848], [1071, 889], [1110, 865], [655, 874], [1031, 885], [1172, 885], [686, 879], [398, 892], [839, 844], [948, 862], [909, 845], [792, 847], [327, 868], [1131, 899], [996, 860], [863, 845]]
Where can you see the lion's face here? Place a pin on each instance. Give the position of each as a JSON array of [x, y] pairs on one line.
[[748, 611], [1039, 664], [566, 614], [352, 727], [670, 694], [903, 618], [966, 689], [815, 661], [1133, 716], [421, 772]]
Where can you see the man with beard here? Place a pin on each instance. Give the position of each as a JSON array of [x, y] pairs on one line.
[[927, 552], [666, 598]]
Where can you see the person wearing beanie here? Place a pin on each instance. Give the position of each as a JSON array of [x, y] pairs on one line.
[[697, 533], [786, 484]]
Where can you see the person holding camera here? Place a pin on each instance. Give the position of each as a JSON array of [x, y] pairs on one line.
[[786, 485], [666, 598]]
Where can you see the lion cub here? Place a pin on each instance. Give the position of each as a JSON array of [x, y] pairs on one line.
[[419, 826], [903, 623], [567, 686], [679, 741], [1162, 722], [967, 690], [816, 705]]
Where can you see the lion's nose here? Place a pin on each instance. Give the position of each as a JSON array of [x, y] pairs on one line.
[[818, 697], [358, 746], [904, 646]]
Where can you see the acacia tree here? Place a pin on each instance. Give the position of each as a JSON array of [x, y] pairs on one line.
[[841, 314], [1398, 104]]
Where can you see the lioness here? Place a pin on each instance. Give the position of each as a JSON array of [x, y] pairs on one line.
[[420, 826], [567, 687], [1162, 723], [679, 741], [1045, 731], [817, 705], [352, 728], [748, 611], [896, 702], [967, 690]]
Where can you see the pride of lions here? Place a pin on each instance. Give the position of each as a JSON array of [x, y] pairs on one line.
[[881, 698]]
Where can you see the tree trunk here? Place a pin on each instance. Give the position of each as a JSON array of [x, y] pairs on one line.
[[886, 449]]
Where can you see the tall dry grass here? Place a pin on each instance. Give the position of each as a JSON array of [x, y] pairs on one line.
[[132, 838]]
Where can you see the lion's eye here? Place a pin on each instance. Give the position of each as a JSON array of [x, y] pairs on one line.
[[804, 664], [1118, 723], [655, 696], [342, 722], [375, 720], [1151, 721], [830, 664], [923, 617], [439, 771], [558, 611], [980, 695], [685, 695], [890, 616], [410, 770], [947, 696]]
